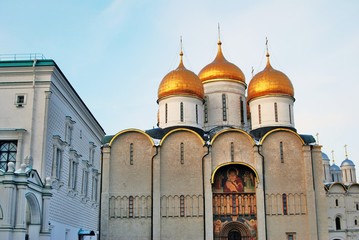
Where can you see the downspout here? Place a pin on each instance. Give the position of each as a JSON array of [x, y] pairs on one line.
[[264, 192], [44, 138], [203, 193], [153, 158]]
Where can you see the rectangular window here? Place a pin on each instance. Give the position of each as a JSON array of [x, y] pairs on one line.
[[276, 112], [73, 174], [291, 236], [94, 188], [224, 107], [181, 112], [241, 105], [69, 126], [58, 163], [8, 150], [91, 153], [85, 182], [259, 114]]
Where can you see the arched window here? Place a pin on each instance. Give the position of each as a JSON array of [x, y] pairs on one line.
[[224, 107], [196, 113], [181, 111], [357, 206], [241, 105], [130, 207], [182, 206], [355, 222], [166, 113], [276, 112], [336, 202], [285, 204], [259, 114], [337, 223], [281, 152]]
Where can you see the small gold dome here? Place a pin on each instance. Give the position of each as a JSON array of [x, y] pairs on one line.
[[269, 82], [221, 69], [181, 81]]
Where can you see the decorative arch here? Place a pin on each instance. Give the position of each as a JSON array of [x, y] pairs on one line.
[[232, 130], [131, 130], [281, 130], [234, 226], [182, 129], [34, 207], [353, 185], [337, 184], [234, 163]]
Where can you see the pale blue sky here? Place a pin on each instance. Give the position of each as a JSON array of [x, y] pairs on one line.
[[115, 53]]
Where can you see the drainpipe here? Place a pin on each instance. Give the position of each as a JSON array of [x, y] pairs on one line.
[[153, 158], [100, 200], [264, 191], [203, 194]]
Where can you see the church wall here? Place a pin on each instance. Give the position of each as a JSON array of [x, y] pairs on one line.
[[129, 187], [181, 180], [287, 177]]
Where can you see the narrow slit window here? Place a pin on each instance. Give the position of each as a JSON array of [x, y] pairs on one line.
[[290, 114], [130, 207], [131, 153], [276, 112], [285, 204], [281, 152], [336, 202], [181, 111], [166, 113], [232, 151], [241, 105], [182, 206], [182, 153], [259, 114], [206, 109], [357, 206], [224, 107], [337, 223], [196, 113]]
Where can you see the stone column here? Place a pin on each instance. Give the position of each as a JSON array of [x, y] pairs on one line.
[[156, 197], [9, 204], [46, 196], [104, 224]]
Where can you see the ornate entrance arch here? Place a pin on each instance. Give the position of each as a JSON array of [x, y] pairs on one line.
[[33, 217], [234, 202]]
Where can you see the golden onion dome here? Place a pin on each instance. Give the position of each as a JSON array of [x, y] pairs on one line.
[[221, 69], [181, 81], [269, 82]]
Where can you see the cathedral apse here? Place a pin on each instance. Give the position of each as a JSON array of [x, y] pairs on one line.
[[234, 203]]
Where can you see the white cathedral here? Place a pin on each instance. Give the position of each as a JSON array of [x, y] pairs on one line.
[[226, 162]]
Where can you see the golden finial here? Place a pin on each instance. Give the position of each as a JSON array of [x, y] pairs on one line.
[[252, 71], [181, 53], [346, 151], [219, 35], [267, 54], [333, 156], [317, 135]]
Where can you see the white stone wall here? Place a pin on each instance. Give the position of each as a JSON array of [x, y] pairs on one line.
[[191, 117], [233, 91], [267, 116]]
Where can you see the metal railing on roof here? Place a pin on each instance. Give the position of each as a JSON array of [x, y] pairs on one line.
[[22, 56]]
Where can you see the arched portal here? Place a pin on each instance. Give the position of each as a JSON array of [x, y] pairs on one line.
[[33, 216], [234, 202]]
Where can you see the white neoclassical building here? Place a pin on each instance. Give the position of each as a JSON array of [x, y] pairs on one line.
[[342, 192], [49, 155], [211, 170]]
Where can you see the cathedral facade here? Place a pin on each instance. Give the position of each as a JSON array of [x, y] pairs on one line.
[[225, 162]]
